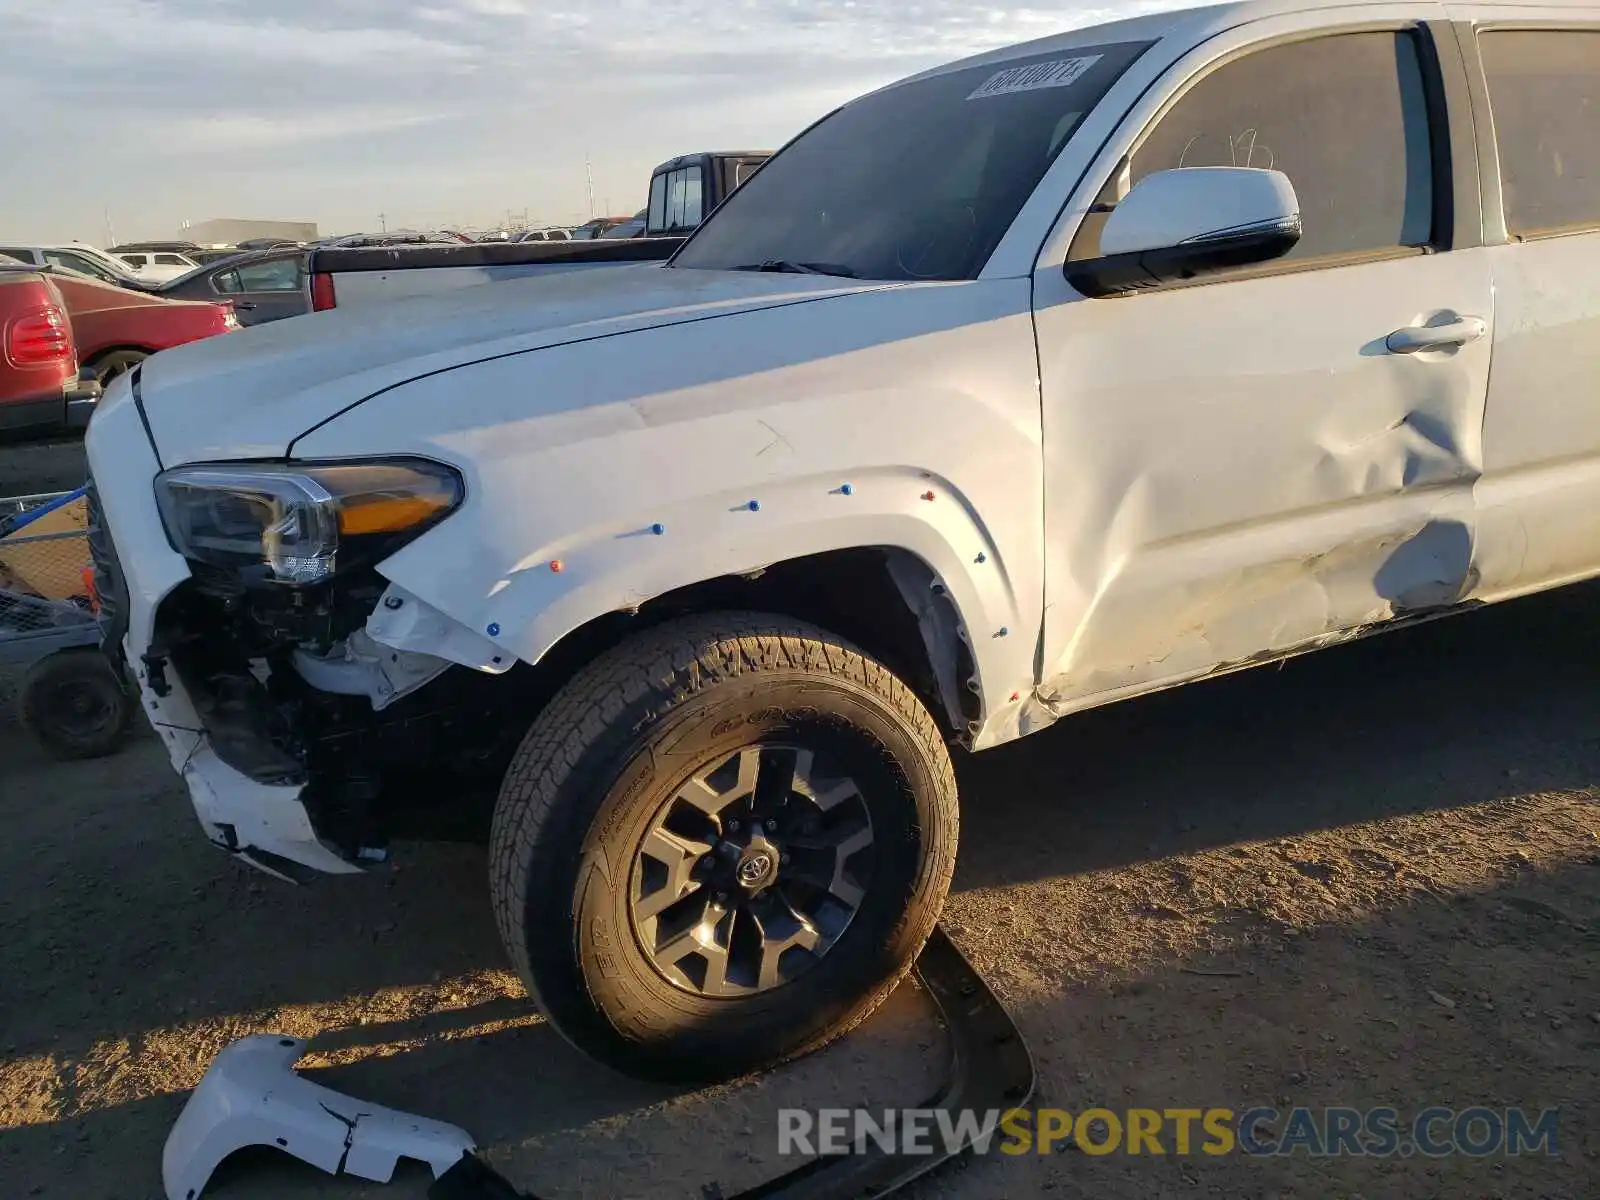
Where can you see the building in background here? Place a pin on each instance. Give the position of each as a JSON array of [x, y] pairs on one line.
[[230, 231]]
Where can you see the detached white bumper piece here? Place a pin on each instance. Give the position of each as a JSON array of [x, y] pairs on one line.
[[251, 1096]]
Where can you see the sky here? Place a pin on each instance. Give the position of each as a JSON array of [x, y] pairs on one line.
[[130, 117]]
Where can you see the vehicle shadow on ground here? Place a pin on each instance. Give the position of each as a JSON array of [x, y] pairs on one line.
[[1500, 701], [1347, 1014]]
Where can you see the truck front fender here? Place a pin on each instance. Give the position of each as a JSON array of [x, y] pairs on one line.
[[943, 561]]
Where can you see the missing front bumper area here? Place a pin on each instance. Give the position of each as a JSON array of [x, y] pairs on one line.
[[251, 1096], [291, 693]]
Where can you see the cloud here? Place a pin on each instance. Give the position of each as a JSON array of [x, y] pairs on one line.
[[451, 109]]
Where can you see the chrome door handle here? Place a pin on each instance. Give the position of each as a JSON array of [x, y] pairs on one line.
[[1436, 337]]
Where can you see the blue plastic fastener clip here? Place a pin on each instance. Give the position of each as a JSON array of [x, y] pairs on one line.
[[846, 490], [494, 629], [658, 529], [982, 558], [754, 506]]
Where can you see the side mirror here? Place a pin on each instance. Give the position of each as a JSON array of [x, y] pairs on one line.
[[1184, 223]]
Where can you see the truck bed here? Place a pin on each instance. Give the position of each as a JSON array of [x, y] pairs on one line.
[[346, 277]]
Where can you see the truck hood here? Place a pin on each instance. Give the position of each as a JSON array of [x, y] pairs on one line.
[[252, 393]]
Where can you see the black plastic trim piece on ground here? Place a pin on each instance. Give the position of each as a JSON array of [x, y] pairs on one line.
[[990, 1068]]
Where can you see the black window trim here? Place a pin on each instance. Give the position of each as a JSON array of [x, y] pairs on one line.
[[1495, 230], [1454, 183]]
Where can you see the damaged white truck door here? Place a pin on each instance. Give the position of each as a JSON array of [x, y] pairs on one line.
[[1277, 455], [1537, 76]]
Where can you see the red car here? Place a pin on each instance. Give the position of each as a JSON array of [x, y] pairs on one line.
[[116, 328], [40, 390]]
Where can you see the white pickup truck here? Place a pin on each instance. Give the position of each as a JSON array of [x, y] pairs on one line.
[[1057, 376]]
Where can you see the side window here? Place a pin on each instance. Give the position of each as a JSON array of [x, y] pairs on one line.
[[1344, 116], [658, 203], [168, 260], [693, 198], [1544, 92], [18, 253], [78, 264], [134, 260], [280, 275], [226, 282], [684, 203]]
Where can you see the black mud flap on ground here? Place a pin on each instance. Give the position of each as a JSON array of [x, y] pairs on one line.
[[990, 1068]]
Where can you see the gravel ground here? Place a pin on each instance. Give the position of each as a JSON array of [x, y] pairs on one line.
[[1371, 877], [29, 468]]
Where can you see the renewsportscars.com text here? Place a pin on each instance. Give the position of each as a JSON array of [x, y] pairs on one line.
[[1372, 1132]]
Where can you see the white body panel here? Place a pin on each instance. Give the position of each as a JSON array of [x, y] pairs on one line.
[[252, 394], [252, 1096], [1541, 478], [897, 391]]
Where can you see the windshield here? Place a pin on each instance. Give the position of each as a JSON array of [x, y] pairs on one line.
[[918, 181]]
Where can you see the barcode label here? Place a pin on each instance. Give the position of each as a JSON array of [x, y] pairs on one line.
[[1059, 72]]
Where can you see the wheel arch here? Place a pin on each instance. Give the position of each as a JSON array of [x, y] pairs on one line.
[[887, 600], [104, 352], [895, 549]]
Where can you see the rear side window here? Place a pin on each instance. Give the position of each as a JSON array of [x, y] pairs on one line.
[[1344, 116], [682, 203], [1544, 91], [280, 275], [658, 203], [168, 260], [134, 260], [78, 265]]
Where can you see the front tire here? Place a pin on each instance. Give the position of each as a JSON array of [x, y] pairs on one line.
[[721, 845]]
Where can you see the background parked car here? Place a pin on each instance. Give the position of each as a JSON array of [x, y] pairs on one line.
[[40, 389], [395, 237], [267, 285], [211, 254], [631, 228], [590, 230], [153, 247], [265, 244], [116, 328], [158, 266], [81, 260], [543, 235]]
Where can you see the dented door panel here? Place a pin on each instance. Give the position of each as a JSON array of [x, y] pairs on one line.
[[1239, 470]]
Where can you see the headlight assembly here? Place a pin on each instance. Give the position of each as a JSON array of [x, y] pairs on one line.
[[290, 523]]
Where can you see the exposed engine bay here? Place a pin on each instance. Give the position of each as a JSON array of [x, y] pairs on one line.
[[292, 688]]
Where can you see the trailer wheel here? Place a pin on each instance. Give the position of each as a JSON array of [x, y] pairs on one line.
[[74, 704], [721, 845]]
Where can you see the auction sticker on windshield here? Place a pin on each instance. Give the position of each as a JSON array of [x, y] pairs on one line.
[[1058, 72]]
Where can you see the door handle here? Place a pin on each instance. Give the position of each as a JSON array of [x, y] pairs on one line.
[[247, 305], [1413, 338]]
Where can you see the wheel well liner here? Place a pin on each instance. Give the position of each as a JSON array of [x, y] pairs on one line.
[[885, 599]]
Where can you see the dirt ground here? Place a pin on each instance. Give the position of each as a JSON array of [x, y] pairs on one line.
[[1371, 877]]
